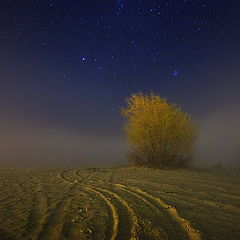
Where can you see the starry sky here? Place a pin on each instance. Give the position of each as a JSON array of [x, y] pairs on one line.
[[67, 66]]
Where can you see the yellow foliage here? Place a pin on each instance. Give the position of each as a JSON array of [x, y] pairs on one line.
[[160, 133]]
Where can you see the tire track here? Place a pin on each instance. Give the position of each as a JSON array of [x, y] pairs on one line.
[[182, 190], [61, 176], [200, 183], [37, 216], [192, 233], [54, 223], [88, 188], [53, 227], [90, 174], [156, 204], [115, 216], [132, 215], [149, 204], [168, 231]]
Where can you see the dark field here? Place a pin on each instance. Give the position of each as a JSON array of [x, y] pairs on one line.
[[119, 203]]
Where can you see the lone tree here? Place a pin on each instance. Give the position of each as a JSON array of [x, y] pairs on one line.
[[159, 133]]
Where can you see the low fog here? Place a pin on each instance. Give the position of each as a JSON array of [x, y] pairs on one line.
[[23, 145], [219, 120], [213, 100], [219, 139], [29, 146]]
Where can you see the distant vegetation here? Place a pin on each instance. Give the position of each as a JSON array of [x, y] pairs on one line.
[[160, 134]]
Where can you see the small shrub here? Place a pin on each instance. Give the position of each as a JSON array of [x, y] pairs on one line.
[[159, 133]]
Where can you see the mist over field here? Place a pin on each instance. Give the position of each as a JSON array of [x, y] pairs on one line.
[[219, 139], [219, 121], [66, 137], [26, 145], [29, 146]]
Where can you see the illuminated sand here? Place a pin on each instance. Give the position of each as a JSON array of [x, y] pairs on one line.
[[119, 203]]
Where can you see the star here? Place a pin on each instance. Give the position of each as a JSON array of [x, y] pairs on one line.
[[175, 73]]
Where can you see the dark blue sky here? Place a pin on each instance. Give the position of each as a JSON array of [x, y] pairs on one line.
[[70, 64]]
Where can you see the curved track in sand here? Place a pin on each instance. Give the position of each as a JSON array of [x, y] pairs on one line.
[[109, 193]]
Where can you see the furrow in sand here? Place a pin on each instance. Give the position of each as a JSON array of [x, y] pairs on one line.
[[61, 175], [54, 223], [149, 204], [115, 216], [185, 224], [207, 202], [37, 216], [192, 233], [80, 178], [132, 215], [222, 192], [53, 227], [83, 179]]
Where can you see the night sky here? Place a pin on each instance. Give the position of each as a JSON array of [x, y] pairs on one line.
[[67, 66]]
